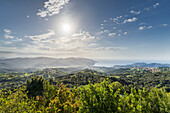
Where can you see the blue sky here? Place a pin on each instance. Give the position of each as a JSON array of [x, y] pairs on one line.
[[97, 29]]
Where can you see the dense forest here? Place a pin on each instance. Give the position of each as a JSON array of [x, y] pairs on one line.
[[144, 78], [120, 91]]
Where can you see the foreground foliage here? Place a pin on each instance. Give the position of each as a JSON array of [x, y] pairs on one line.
[[101, 97]]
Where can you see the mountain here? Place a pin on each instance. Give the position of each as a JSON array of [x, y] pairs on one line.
[[144, 65], [42, 63]]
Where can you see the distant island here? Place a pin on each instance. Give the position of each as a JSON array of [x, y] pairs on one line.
[[143, 65]]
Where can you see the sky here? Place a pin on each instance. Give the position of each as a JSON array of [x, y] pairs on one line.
[[95, 29]]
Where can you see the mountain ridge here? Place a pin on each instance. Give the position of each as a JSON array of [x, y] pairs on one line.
[[44, 62]]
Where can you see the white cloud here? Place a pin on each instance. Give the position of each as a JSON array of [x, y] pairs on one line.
[[142, 27], [28, 16], [104, 31], [74, 42], [147, 9], [8, 42], [156, 5], [105, 21], [18, 39], [8, 34], [107, 48], [149, 27], [92, 45], [42, 36], [52, 7], [111, 34], [130, 20], [117, 19], [80, 44], [101, 27], [164, 25], [135, 12], [119, 31], [7, 31], [125, 33], [119, 35], [114, 27], [142, 23]]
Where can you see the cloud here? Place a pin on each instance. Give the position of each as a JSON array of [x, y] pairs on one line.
[[156, 5], [111, 34], [8, 42], [164, 25], [130, 20], [101, 27], [147, 9], [52, 7], [80, 44], [142, 27], [79, 40], [107, 48], [149, 27], [151, 7], [6, 52], [7, 34], [142, 23], [42, 36], [74, 42], [119, 35], [135, 12], [105, 21], [17, 40], [7, 31], [112, 24], [125, 33], [117, 19], [104, 31]]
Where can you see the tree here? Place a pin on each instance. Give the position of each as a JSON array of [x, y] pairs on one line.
[[35, 87]]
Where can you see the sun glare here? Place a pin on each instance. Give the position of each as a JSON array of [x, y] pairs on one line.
[[66, 28]]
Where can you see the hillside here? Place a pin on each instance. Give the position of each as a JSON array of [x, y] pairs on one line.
[[33, 64], [128, 76], [56, 76], [144, 78], [85, 76]]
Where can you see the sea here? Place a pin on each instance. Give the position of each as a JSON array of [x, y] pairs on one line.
[[111, 63]]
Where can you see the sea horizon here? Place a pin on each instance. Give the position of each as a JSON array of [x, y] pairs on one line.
[[111, 62]]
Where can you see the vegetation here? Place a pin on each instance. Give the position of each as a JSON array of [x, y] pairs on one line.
[[144, 78], [96, 98], [119, 91], [83, 77], [129, 76]]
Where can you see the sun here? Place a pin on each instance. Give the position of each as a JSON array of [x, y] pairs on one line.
[[66, 28]]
